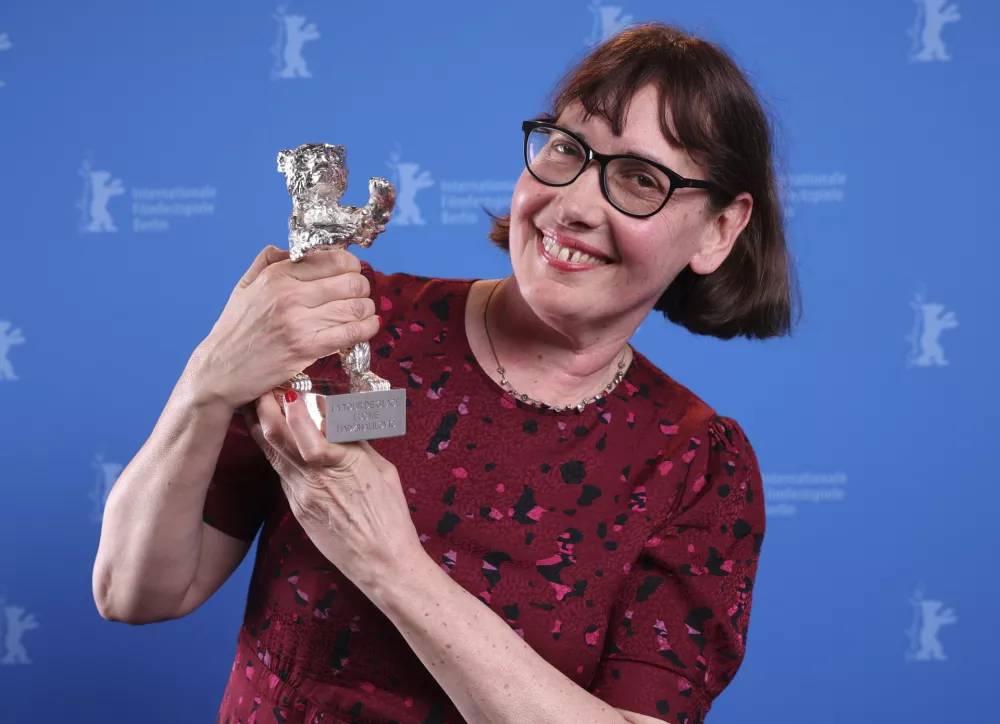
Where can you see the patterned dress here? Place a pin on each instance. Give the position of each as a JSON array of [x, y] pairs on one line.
[[620, 542]]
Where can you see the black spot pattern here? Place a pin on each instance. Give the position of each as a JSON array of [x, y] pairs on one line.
[[620, 542]]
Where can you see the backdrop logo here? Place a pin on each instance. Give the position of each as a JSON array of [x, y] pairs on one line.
[[408, 180], [812, 188], [929, 616], [98, 189], [152, 208], [461, 202], [5, 44], [293, 34], [9, 337], [106, 474], [14, 623], [782, 492], [608, 20], [932, 17], [929, 320]]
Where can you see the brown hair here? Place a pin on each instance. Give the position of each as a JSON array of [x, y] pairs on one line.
[[719, 120]]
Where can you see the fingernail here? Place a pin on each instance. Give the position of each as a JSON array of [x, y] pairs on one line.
[[379, 318], [290, 396]]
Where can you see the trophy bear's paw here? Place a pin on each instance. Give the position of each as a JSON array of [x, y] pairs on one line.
[[370, 382]]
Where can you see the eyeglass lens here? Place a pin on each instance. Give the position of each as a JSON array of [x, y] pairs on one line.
[[634, 186]]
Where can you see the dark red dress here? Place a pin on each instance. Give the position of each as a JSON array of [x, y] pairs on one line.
[[620, 542]]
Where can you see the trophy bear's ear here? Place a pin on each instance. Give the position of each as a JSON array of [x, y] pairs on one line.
[[285, 161]]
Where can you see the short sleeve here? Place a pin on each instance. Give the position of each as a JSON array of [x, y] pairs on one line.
[[242, 486], [678, 629]]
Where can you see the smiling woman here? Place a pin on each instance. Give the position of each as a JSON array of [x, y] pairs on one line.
[[565, 533], [674, 103]]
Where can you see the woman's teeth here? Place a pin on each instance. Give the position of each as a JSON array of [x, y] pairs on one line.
[[574, 256]]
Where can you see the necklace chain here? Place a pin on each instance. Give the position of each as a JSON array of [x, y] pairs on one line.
[[537, 403]]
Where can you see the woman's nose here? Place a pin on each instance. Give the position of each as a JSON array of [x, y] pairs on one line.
[[582, 202]]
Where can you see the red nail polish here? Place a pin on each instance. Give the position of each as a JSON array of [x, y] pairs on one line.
[[379, 318], [290, 396]]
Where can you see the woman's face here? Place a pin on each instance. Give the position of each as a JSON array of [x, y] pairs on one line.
[[638, 257]]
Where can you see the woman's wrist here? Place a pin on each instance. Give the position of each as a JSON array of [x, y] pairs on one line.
[[201, 388]]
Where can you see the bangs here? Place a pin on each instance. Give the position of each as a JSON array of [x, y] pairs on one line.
[[607, 81]]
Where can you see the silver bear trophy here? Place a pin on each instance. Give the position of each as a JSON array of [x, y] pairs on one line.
[[316, 178]]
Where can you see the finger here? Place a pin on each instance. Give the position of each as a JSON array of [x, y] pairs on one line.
[[257, 433], [312, 445], [320, 263], [250, 417], [273, 428], [335, 337], [342, 311], [269, 255], [350, 285]]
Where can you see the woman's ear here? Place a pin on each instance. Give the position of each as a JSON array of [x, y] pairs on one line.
[[720, 238]]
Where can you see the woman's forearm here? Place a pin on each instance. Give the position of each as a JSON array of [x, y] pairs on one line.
[[487, 669], [151, 532]]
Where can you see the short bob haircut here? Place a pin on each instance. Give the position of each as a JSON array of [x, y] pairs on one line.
[[719, 120]]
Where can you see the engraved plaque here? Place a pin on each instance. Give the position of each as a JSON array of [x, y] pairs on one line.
[[366, 415]]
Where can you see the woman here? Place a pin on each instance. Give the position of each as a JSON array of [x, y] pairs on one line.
[[564, 533]]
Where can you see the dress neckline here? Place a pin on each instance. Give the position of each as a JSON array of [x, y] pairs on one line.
[[461, 300]]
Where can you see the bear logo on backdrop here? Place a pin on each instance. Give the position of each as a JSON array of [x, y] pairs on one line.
[[461, 201], [929, 617], [10, 336], [98, 189], [5, 44], [15, 622], [930, 320], [152, 209], [608, 20], [408, 180], [293, 34], [106, 474], [932, 17]]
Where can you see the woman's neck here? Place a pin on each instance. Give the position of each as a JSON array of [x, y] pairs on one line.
[[556, 366]]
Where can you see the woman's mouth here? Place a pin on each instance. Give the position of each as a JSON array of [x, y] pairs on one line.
[[566, 257]]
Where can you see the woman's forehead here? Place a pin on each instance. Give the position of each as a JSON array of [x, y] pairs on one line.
[[641, 129], [642, 114]]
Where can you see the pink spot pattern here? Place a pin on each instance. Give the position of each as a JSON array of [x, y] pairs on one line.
[[595, 535]]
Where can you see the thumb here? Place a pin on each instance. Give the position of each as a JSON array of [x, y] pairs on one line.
[[268, 255]]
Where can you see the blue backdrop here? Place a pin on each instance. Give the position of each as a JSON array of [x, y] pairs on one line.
[[138, 145]]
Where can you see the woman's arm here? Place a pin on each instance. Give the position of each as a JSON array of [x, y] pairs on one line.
[[350, 503], [682, 644], [487, 669], [157, 560]]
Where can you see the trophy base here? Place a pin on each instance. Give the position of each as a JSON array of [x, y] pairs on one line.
[[354, 416]]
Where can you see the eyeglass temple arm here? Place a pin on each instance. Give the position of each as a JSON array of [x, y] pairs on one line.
[[694, 183]]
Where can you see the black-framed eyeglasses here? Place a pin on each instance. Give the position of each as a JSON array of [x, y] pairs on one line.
[[634, 185]]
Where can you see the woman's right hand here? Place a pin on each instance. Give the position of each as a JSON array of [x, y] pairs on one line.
[[282, 317]]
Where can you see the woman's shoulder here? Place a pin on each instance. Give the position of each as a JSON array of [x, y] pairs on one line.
[[675, 409], [719, 474], [649, 386], [391, 290]]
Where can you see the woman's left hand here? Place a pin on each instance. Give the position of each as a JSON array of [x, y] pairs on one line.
[[347, 498]]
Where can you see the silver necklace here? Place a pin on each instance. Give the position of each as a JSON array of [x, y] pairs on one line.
[[537, 403]]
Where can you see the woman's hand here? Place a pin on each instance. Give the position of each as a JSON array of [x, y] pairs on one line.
[[281, 318], [347, 498]]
